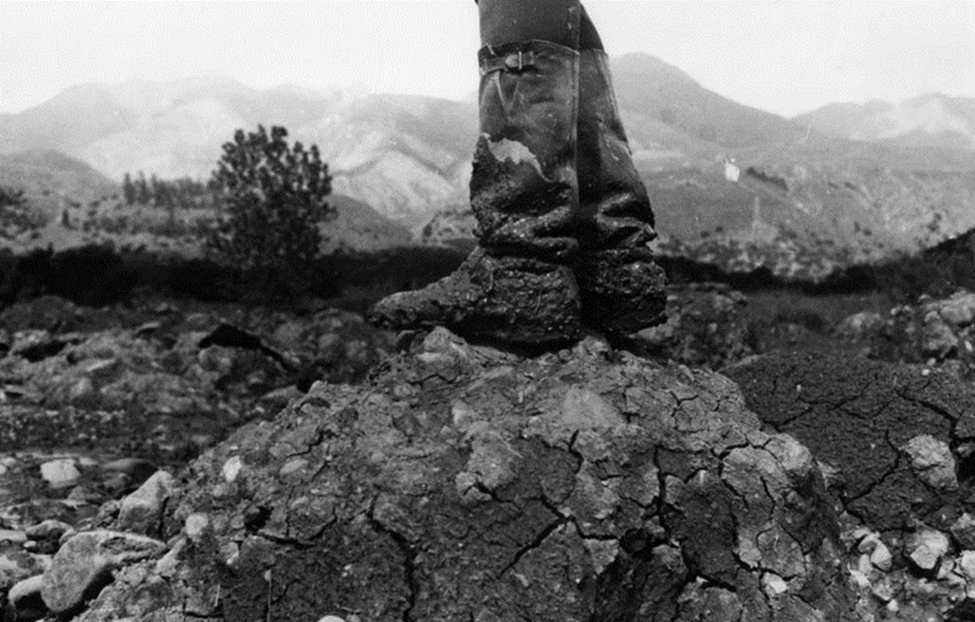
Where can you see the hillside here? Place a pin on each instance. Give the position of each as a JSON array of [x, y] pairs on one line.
[[650, 89], [52, 181], [357, 226], [931, 120]]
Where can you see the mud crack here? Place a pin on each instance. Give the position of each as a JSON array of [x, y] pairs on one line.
[[409, 562]]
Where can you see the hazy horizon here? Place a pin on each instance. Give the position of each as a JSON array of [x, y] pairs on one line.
[[783, 56]]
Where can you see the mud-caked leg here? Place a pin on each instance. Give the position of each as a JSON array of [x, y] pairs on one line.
[[517, 286], [622, 289]]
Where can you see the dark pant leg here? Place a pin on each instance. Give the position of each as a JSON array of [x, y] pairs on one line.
[[510, 21], [588, 36]]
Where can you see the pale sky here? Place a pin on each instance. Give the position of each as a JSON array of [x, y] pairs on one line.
[[785, 56]]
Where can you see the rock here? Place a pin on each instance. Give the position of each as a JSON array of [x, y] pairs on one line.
[[49, 313], [705, 325], [860, 326], [582, 484], [878, 554], [141, 511], [47, 534], [932, 461], [84, 564], [937, 338], [126, 474], [932, 330], [274, 401], [963, 529], [24, 602], [17, 565], [925, 549], [966, 563], [12, 536], [60, 473], [195, 526], [958, 310], [148, 328]]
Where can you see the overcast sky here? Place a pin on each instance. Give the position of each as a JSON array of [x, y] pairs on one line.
[[786, 56]]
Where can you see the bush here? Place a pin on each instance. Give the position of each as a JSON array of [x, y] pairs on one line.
[[271, 198]]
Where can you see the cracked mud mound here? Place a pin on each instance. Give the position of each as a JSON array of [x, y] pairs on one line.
[[463, 483], [897, 444], [860, 417]]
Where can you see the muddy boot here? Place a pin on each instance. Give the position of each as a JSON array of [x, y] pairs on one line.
[[517, 287], [622, 289]]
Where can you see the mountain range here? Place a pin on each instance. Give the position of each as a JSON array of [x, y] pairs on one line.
[[731, 184], [931, 120]]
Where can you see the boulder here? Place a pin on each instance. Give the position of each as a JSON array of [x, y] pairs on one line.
[[84, 565], [467, 483]]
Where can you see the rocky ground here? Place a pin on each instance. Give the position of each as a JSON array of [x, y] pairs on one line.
[[95, 401], [832, 482]]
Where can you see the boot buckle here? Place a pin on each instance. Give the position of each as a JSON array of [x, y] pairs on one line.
[[519, 61], [515, 61]]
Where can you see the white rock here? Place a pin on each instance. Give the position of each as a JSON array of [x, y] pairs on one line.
[[862, 581], [879, 554], [12, 536], [883, 590], [232, 468], [966, 562], [959, 309], [774, 584], [195, 524], [964, 531], [926, 548], [141, 511], [60, 473], [932, 461]]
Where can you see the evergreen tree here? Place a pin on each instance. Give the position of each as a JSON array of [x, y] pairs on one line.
[[272, 197], [128, 189], [142, 189]]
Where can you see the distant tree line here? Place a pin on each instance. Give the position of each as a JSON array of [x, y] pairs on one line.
[[16, 215], [166, 193]]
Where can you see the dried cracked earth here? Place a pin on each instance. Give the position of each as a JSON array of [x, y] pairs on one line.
[[463, 483]]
